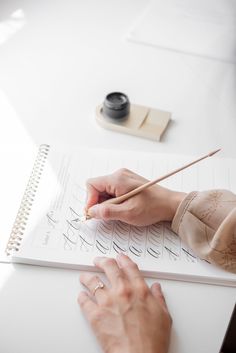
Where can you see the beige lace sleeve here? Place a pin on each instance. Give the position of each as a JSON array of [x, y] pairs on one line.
[[206, 221]]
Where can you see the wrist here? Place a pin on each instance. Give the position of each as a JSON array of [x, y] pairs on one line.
[[175, 200], [167, 203]]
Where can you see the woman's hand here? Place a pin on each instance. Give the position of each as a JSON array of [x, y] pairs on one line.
[[152, 205], [128, 317]]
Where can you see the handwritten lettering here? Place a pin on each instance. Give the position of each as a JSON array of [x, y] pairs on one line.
[[107, 238], [51, 220]]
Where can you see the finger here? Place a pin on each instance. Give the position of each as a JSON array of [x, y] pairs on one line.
[[98, 186], [95, 186], [109, 212], [131, 270], [90, 281], [158, 294], [86, 304], [92, 196], [111, 269]]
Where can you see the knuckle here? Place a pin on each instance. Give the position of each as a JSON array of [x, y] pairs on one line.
[[105, 212], [130, 266], [131, 215], [108, 262], [90, 181], [124, 291], [92, 280], [121, 173], [107, 302], [142, 291], [96, 317], [119, 276], [133, 266]]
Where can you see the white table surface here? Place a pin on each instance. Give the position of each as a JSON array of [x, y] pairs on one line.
[[58, 59]]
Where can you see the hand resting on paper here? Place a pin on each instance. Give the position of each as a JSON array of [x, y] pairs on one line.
[[152, 205], [127, 316]]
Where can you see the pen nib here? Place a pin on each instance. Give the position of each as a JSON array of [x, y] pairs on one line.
[[214, 152]]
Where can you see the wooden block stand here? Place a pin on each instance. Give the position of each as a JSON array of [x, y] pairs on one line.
[[141, 121]]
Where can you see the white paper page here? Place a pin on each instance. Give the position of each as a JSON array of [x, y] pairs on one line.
[[206, 28], [55, 233]]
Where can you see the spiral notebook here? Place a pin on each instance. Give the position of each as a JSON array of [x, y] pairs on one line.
[[48, 230]]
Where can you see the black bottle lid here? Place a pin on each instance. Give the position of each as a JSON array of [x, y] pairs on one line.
[[116, 106]]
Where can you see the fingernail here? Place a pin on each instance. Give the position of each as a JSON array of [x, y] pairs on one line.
[[92, 211], [157, 286]]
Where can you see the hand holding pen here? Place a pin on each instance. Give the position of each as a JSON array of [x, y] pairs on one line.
[[130, 198]]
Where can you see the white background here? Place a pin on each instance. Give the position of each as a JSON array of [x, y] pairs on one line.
[[58, 59]]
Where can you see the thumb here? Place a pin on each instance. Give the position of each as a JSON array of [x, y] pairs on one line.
[[107, 212]]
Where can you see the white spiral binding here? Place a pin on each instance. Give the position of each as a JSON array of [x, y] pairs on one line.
[[19, 225]]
